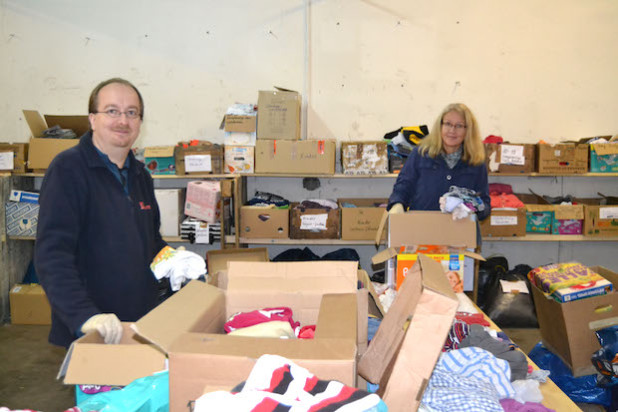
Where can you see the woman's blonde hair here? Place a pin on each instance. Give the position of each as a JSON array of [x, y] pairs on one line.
[[473, 149]]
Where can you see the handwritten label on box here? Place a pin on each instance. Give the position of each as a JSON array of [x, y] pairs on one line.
[[6, 161], [512, 155], [503, 220], [313, 222], [608, 212], [198, 163]]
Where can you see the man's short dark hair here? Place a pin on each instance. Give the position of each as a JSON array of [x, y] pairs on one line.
[[93, 102]]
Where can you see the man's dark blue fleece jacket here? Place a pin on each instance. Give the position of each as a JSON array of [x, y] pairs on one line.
[[94, 243], [423, 180]]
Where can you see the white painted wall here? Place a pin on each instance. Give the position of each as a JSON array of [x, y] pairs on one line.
[[529, 70]]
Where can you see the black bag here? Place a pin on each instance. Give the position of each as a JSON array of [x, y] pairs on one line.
[[512, 310]]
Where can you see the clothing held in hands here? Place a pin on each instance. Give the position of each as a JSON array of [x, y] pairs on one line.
[[177, 265], [461, 202]]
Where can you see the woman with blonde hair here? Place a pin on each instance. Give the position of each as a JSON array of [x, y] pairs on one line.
[[451, 155]]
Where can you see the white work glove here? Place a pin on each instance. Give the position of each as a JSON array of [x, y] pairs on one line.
[[107, 324], [397, 208]]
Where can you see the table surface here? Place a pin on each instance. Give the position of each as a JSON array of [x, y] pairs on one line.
[[553, 397]]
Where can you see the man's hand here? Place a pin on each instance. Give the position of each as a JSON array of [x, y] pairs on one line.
[[396, 208], [107, 324]]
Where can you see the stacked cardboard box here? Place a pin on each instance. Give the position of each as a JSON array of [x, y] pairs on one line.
[[42, 151], [510, 158]]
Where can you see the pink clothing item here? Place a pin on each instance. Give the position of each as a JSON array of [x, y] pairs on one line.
[[511, 405], [307, 332], [244, 319]]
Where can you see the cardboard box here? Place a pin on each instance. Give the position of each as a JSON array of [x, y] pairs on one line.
[[604, 158], [361, 222], [402, 359], [29, 305], [451, 259], [171, 207], [159, 160], [13, 157], [23, 196], [264, 223], [239, 159], [198, 157], [21, 218], [567, 329], [278, 115], [217, 260], [364, 158], [562, 158], [510, 158], [203, 198], [539, 214], [189, 325], [305, 157], [239, 123], [601, 220], [568, 220], [313, 223], [539, 218], [43, 150], [505, 223], [432, 228]]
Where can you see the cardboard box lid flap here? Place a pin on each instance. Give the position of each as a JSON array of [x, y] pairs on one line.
[[539, 208], [196, 306], [335, 276], [218, 259], [434, 277], [430, 228], [35, 121], [159, 151], [78, 123], [605, 148], [564, 212], [337, 317], [120, 365]]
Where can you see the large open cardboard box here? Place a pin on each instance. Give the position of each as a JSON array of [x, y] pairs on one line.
[[188, 327], [567, 329], [416, 228], [401, 358], [43, 150]]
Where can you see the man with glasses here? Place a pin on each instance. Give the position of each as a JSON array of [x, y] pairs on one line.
[[451, 155], [98, 227]]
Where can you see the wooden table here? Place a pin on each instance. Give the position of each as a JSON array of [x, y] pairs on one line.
[[553, 397]]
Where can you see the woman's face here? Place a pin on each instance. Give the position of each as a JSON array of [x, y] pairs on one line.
[[453, 131]]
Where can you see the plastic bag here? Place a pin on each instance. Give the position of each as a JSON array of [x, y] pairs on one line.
[[581, 390], [148, 394], [605, 360], [507, 310]]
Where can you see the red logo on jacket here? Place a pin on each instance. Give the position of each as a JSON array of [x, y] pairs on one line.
[[143, 206]]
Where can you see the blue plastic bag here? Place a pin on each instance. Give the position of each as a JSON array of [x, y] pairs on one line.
[[148, 394], [581, 390]]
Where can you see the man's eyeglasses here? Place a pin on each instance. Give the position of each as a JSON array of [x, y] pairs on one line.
[[457, 126], [115, 113]]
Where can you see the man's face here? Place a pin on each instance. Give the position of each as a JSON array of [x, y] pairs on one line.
[[120, 132]]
